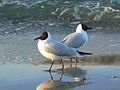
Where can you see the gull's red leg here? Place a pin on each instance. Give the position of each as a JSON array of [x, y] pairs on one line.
[[62, 65], [51, 66], [76, 59], [71, 62]]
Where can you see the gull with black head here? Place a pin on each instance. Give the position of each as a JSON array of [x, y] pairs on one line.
[[53, 49], [77, 39]]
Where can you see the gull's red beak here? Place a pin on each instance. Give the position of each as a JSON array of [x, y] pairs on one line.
[[37, 38], [89, 28]]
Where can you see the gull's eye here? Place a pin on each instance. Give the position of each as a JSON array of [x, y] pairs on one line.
[[44, 35]]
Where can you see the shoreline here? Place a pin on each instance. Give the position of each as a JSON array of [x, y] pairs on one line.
[[104, 59]]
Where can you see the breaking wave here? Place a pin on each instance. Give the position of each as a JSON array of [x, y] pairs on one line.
[[71, 10]]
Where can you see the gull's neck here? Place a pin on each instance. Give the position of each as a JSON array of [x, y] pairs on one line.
[[79, 29]]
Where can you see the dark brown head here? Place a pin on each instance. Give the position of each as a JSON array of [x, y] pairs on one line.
[[42, 36], [85, 28]]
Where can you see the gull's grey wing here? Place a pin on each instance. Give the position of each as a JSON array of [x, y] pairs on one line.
[[74, 40], [67, 37], [59, 49]]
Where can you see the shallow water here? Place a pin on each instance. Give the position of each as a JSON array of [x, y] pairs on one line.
[[28, 77]]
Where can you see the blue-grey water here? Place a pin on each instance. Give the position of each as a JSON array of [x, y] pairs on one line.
[[29, 77]]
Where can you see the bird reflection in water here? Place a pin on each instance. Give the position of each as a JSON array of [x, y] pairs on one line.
[[76, 73]]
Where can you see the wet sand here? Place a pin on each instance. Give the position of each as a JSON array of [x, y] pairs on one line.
[[31, 76], [103, 59]]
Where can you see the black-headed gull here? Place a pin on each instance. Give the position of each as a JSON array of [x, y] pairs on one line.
[[52, 49], [77, 39]]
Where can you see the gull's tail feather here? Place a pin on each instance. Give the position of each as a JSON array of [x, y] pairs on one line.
[[84, 53]]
